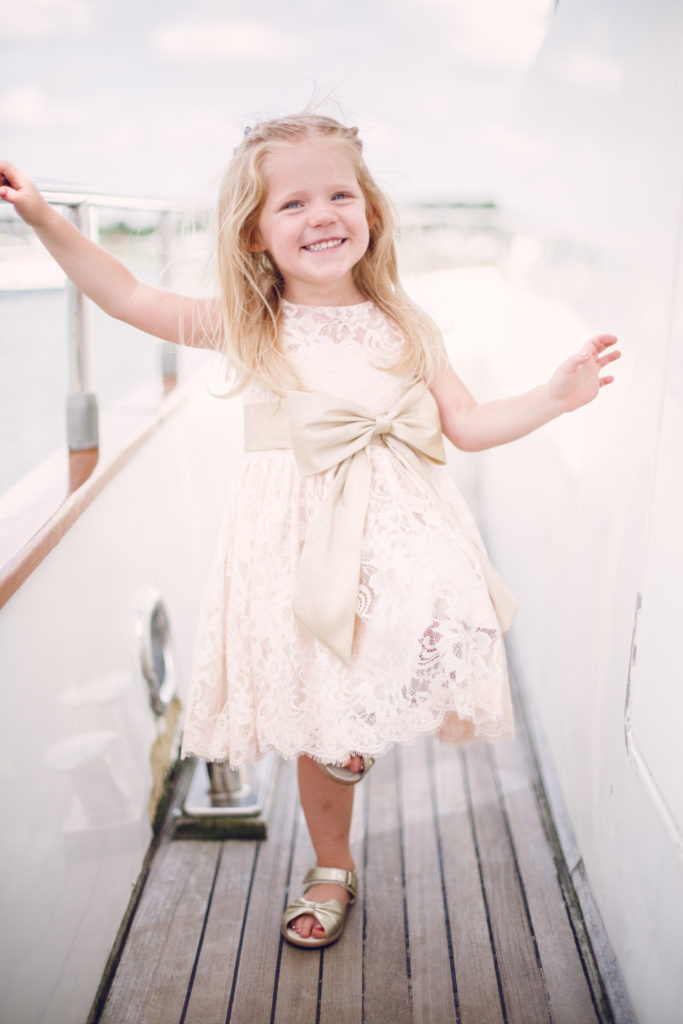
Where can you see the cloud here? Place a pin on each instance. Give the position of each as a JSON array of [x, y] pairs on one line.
[[35, 19], [237, 40], [31, 107], [493, 34], [588, 70], [510, 144], [23, 105]]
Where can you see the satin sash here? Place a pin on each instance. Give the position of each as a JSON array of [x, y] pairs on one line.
[[326, 431]]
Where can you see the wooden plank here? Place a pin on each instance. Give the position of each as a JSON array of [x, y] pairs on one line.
[[341, 996], [475, 968], [430, 959], [255, 988], [519, 969], [156, 965], [387, 984], [297, 990], [570, 996], [430, 821], [210, 995]]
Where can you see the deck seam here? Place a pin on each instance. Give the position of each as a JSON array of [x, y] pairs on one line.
[[319, 1000], [522, 887], [200, 943], [601, 1003], [177, 783], [444, 895], [477, 851], [401, 835], [241, 942], [366, 833], [532, 743], [278, 962]]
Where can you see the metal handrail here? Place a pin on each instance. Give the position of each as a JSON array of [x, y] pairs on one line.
[[65, 197], [82, 415]]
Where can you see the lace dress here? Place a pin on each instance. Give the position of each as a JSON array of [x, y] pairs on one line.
[[428, 655]]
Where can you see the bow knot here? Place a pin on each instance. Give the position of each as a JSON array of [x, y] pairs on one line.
[[382, 426]]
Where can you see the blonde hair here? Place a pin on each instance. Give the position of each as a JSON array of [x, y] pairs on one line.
[[252, 287]]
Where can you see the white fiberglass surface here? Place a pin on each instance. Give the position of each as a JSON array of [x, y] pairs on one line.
[[78, 736], [593, 502], [656, 694]]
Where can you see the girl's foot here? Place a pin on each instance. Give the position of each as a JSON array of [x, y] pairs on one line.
[[327, 894], [306, 924]]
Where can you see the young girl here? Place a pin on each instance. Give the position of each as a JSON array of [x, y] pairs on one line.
[[351, 605]]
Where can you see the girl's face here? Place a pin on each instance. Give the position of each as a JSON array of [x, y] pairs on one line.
[[313, 221]]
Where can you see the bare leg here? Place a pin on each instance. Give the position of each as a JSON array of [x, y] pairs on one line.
[[327, 809]]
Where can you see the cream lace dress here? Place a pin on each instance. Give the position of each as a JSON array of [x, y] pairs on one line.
[[428, 655]]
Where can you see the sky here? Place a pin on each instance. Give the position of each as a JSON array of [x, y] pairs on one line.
[[563, 108], [150, 97]]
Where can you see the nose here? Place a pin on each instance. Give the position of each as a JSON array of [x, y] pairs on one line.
[[321, 213]]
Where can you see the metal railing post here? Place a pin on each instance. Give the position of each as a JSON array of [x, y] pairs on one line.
[[82, 421], [169, 351]]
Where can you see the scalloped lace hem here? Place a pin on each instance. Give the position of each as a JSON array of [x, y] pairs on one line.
[[462, 732]]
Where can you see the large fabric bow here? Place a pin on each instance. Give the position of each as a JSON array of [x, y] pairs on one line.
[[328, 431]]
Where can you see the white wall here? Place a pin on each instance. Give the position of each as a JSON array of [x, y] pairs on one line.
[[586, 515]]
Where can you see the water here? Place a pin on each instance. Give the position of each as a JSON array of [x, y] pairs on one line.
[[33, 339], [34, 374]]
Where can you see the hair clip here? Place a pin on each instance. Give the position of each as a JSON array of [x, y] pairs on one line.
[[245, 132]]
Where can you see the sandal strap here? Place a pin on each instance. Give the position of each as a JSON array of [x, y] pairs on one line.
[[337, 876]]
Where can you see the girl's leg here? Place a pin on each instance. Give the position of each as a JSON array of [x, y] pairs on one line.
[[327, 809]]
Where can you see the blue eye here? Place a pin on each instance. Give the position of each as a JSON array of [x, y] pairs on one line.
[[292, 204], [340, 195]]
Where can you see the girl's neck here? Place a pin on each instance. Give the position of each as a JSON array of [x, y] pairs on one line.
[[342, 294]]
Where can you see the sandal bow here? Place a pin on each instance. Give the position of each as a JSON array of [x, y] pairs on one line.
[[330, 914]]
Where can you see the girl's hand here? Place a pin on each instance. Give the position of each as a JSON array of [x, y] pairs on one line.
[[577, 381], [16, 188]]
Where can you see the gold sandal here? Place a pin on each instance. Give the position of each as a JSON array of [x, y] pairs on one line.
[[344, 775], [331, 914]]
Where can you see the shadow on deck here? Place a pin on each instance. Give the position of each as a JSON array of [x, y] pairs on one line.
[[466, 912]]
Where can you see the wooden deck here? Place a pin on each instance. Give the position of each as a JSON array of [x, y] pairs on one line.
[[466, 911]]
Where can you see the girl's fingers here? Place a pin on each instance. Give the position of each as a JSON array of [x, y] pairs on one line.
[[598, 344], [9, 194], [603, 341], [8, 173], [10, 182], [609, 358]]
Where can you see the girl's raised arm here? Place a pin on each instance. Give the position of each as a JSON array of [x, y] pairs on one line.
[[102, 277], [474, 427]]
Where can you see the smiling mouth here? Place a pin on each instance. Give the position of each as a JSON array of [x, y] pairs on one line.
[[329, 243]]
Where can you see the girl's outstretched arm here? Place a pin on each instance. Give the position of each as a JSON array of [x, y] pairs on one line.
[[473, 427], [102, 277]]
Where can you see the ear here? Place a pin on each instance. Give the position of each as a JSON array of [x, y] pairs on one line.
[[257, 244], [370, 216]]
